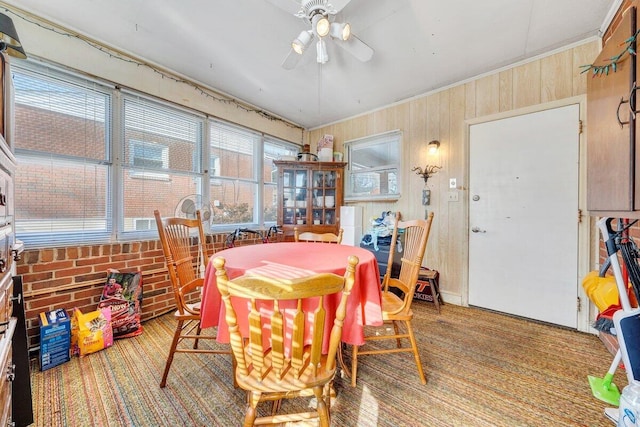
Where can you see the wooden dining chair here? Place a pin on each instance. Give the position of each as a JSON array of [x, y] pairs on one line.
[[309, 236], [288, 362], [184, 247], [396, 310]]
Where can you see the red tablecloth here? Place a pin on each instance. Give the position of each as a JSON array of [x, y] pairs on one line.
[[290, 259]]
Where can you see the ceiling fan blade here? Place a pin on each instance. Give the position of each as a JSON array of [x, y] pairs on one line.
[[289, 6], [338, 5], [357, 48], [291, 60]]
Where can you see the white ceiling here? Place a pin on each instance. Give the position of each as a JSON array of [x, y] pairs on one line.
[[237, 46]]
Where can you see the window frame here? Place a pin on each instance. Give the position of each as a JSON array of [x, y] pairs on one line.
[[393, 141], [119, 167]]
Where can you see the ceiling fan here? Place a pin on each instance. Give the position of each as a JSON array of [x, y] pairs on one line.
[[319, 14]]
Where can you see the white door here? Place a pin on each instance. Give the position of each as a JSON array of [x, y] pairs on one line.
[[523, 215]]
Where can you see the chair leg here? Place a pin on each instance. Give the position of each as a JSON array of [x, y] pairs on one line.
[[414, 345], [397, 332], [252, 403], [234, 364], [198, 330], [354, 365], [323, 411], [329, 394], [172, 350], [275, 406]]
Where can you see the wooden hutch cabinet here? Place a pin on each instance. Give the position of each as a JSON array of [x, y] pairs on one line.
[[309, 196], [613, 153]]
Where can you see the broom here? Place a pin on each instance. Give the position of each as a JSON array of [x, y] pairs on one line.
[[604, 388], [630, 273]]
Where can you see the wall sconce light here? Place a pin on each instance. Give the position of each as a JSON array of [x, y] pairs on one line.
[[433, 147], [426, 173]]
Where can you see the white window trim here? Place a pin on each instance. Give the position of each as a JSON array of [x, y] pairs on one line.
[[111, 228], [394, 136]]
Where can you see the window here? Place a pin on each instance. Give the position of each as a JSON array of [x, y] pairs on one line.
[[234, 190], [273, 150], [148, 155], [85, 176], [372, 167], [163, 145], [214, 166], [62, 143], [145, 223]]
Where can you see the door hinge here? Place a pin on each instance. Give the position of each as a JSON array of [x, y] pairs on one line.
[[579, 127], [579, 306], [579, 216]]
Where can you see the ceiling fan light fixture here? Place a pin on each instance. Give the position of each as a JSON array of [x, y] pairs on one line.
[[321, 48], [321, 24], [340, 31], [302, 42]]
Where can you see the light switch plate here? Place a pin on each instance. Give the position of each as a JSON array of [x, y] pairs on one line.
[[452, 183]]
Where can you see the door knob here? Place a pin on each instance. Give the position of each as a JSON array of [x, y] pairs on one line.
[[477, 230]]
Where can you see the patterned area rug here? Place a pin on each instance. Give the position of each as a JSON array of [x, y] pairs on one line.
[[483, 369]]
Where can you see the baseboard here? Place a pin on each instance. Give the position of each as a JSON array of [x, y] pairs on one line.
[[450, 298]]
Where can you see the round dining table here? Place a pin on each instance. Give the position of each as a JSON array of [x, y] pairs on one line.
[[298, 259]]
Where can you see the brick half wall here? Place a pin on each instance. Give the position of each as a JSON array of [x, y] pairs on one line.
[[74, 277]]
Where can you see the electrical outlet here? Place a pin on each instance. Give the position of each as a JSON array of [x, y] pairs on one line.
[[452, 183], [453, 196]]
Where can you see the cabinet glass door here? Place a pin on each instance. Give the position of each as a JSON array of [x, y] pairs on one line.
[[324, 197], [294, 196]]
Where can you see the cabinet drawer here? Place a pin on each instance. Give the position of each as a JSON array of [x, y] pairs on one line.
[[6, 373], [6, 301], [6, 197], [6, 380]]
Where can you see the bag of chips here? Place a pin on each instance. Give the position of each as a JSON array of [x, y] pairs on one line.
[[122, 294]]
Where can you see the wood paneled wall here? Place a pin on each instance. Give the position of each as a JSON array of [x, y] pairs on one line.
[[444, 116]]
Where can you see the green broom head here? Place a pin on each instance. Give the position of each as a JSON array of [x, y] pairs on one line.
[[604, 389]]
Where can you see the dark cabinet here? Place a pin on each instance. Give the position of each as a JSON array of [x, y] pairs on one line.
[[613, 166]]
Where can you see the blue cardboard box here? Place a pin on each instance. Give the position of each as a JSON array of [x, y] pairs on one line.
[[55, 338]]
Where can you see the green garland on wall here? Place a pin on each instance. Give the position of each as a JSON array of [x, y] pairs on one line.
[[599, 70]]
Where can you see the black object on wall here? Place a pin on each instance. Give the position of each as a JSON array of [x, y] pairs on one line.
[[22, 405]]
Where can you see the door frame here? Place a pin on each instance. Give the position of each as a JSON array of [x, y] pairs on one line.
[[587, 239]]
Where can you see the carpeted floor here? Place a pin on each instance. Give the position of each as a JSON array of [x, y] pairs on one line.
[[483, 369]]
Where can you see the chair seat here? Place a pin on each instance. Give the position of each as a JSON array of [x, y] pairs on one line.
[[289, 383], [391, 303], [187, 315]]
